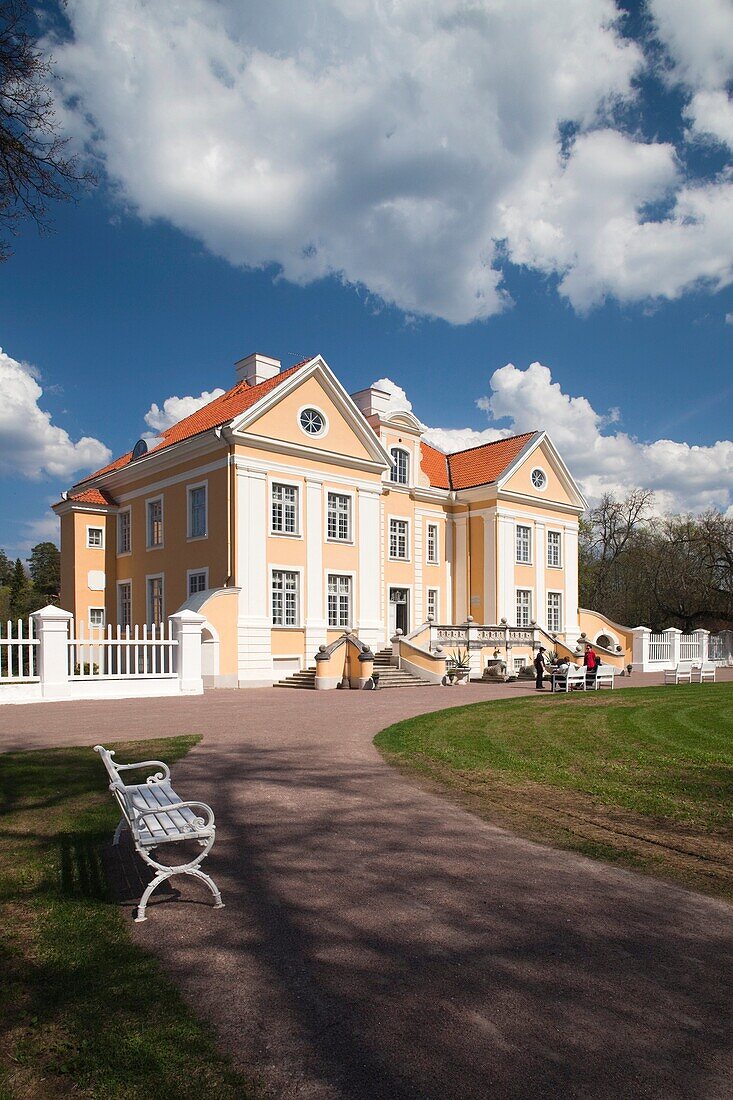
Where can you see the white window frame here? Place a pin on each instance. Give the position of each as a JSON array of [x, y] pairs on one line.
[[154, 500], [124, 512], [530, 612], [408, 538], [537, 488], [95, 545], [154, 577], [196, 573], [559, 562], [560, 595], [123, 584], [298, 571], [408, 458], [436, 559], [189, 511], [321, 413], [523, 527], [350, 496], [352, 593], [298, 486], [96, 626], [436, 612]]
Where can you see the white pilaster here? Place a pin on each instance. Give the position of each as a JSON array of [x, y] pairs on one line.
[[315, 617], [187, 627], [505, 569], [253, 622], [490, 586], [570, 563], [460, 609], [419, 551], [52, 631], [370, 624], [540, 554]]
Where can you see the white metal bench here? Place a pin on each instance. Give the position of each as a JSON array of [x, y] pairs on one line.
[[574, 677], [680, 674], [704, 671], [155, 815], [605, 676]]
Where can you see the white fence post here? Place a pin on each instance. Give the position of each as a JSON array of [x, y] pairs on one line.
[[640, 648], [52, 628], [703, 637], [188, 628], [674, 634]]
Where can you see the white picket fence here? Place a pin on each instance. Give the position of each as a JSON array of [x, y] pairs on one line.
[[660, 647], [49, 657], [659, 652]]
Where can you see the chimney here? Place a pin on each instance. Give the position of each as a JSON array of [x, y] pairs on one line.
[[256, 368], [371, 401]]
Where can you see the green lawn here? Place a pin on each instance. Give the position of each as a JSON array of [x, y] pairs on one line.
[[657, 758], [86, 1013]]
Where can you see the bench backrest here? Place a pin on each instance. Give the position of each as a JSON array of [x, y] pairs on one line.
[[684, 667], [576, 672]]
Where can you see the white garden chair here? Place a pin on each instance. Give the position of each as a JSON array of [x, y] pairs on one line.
[[704, 671], [680, 674]]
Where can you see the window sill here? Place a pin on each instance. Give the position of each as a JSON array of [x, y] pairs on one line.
[[404, 561], [285, 535], [553, 566], [275, 626], [159, 546], [341, 542], [517, 562], [196, 538], [124, 553], [434, 563]]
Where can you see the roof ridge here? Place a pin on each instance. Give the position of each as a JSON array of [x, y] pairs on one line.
[[489, 443]]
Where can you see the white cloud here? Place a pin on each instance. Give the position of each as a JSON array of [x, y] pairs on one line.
[[683, 476], [447, 440], [174, 409], [30, 444], [729, 318]]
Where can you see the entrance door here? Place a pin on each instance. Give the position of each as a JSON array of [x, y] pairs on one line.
[[399, 610]]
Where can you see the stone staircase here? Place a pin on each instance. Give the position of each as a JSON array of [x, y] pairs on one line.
[[389, 676]]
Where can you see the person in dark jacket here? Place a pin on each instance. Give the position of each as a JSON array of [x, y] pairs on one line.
[[539, 667]]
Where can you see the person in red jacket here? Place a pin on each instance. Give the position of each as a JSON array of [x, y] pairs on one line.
[[590, 661]]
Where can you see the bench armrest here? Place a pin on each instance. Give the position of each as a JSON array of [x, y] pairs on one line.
[[207, 822], [158, 777]]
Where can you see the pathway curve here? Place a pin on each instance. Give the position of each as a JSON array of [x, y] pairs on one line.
[[379, 942]]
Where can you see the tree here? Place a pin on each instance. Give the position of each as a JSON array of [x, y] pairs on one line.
[[19, 591], [45, 568], [34, 166], [608, 538], [6, 569]]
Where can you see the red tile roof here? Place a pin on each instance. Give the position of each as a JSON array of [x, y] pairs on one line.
[[219, 411], [435, 464], [474, 466], [92, 496]]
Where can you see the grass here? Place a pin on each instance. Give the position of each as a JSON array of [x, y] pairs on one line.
[[642, 776], [86, 1012]]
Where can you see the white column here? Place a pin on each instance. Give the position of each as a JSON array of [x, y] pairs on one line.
[[539, 612], [315, 616], [702, 638], [640, 648], [187, 629], [416, 611], [505, 569], [370, 625], [490, 592], [674, 634], [460, 609], [253, 622], [52, 630], [447, 597], [570, 602]]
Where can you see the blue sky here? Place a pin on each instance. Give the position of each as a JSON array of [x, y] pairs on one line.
[[388, 229]]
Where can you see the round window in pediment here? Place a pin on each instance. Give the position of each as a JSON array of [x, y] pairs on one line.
[[539, 478], [312, 421]]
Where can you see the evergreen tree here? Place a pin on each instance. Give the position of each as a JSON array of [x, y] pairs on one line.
[[19, 591], [45, 569], [6, 569]]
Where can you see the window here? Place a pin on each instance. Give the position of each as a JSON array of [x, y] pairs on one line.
[[285, 509], [520, 663], [95, 538], [312, 422], [400, 472], [124, 604], [554, 611], [524, 606], [432, 544], [554, 548], [433, 603], [155, 522], [197, 512], [539, 478], [285, 600], [198, 581], [96, 616], [524, 544], [398, 539], [155, 601], [124, 532], [339, 600], [339, 517]]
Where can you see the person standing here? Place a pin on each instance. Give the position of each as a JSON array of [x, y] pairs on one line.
[[590, 661], [539, 667]]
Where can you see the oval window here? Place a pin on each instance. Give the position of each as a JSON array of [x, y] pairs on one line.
[[312, 422], [539, 479]]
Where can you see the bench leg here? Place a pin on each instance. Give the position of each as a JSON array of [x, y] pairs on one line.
[[162, 876], [118, 831]]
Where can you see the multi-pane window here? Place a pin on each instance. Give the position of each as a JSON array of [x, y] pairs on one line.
[[339, 517], [433, 603], [400, 472], [155, 522], [524, 606], [155, 601], [398, 539], [197, 512], [197, 582], [124, 543], [285, 509], [554, 611], [524, 544], [284, 597], [339, 600], [432, 543], [95, 537], [96, 616], [124, 604], [554, 548]]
